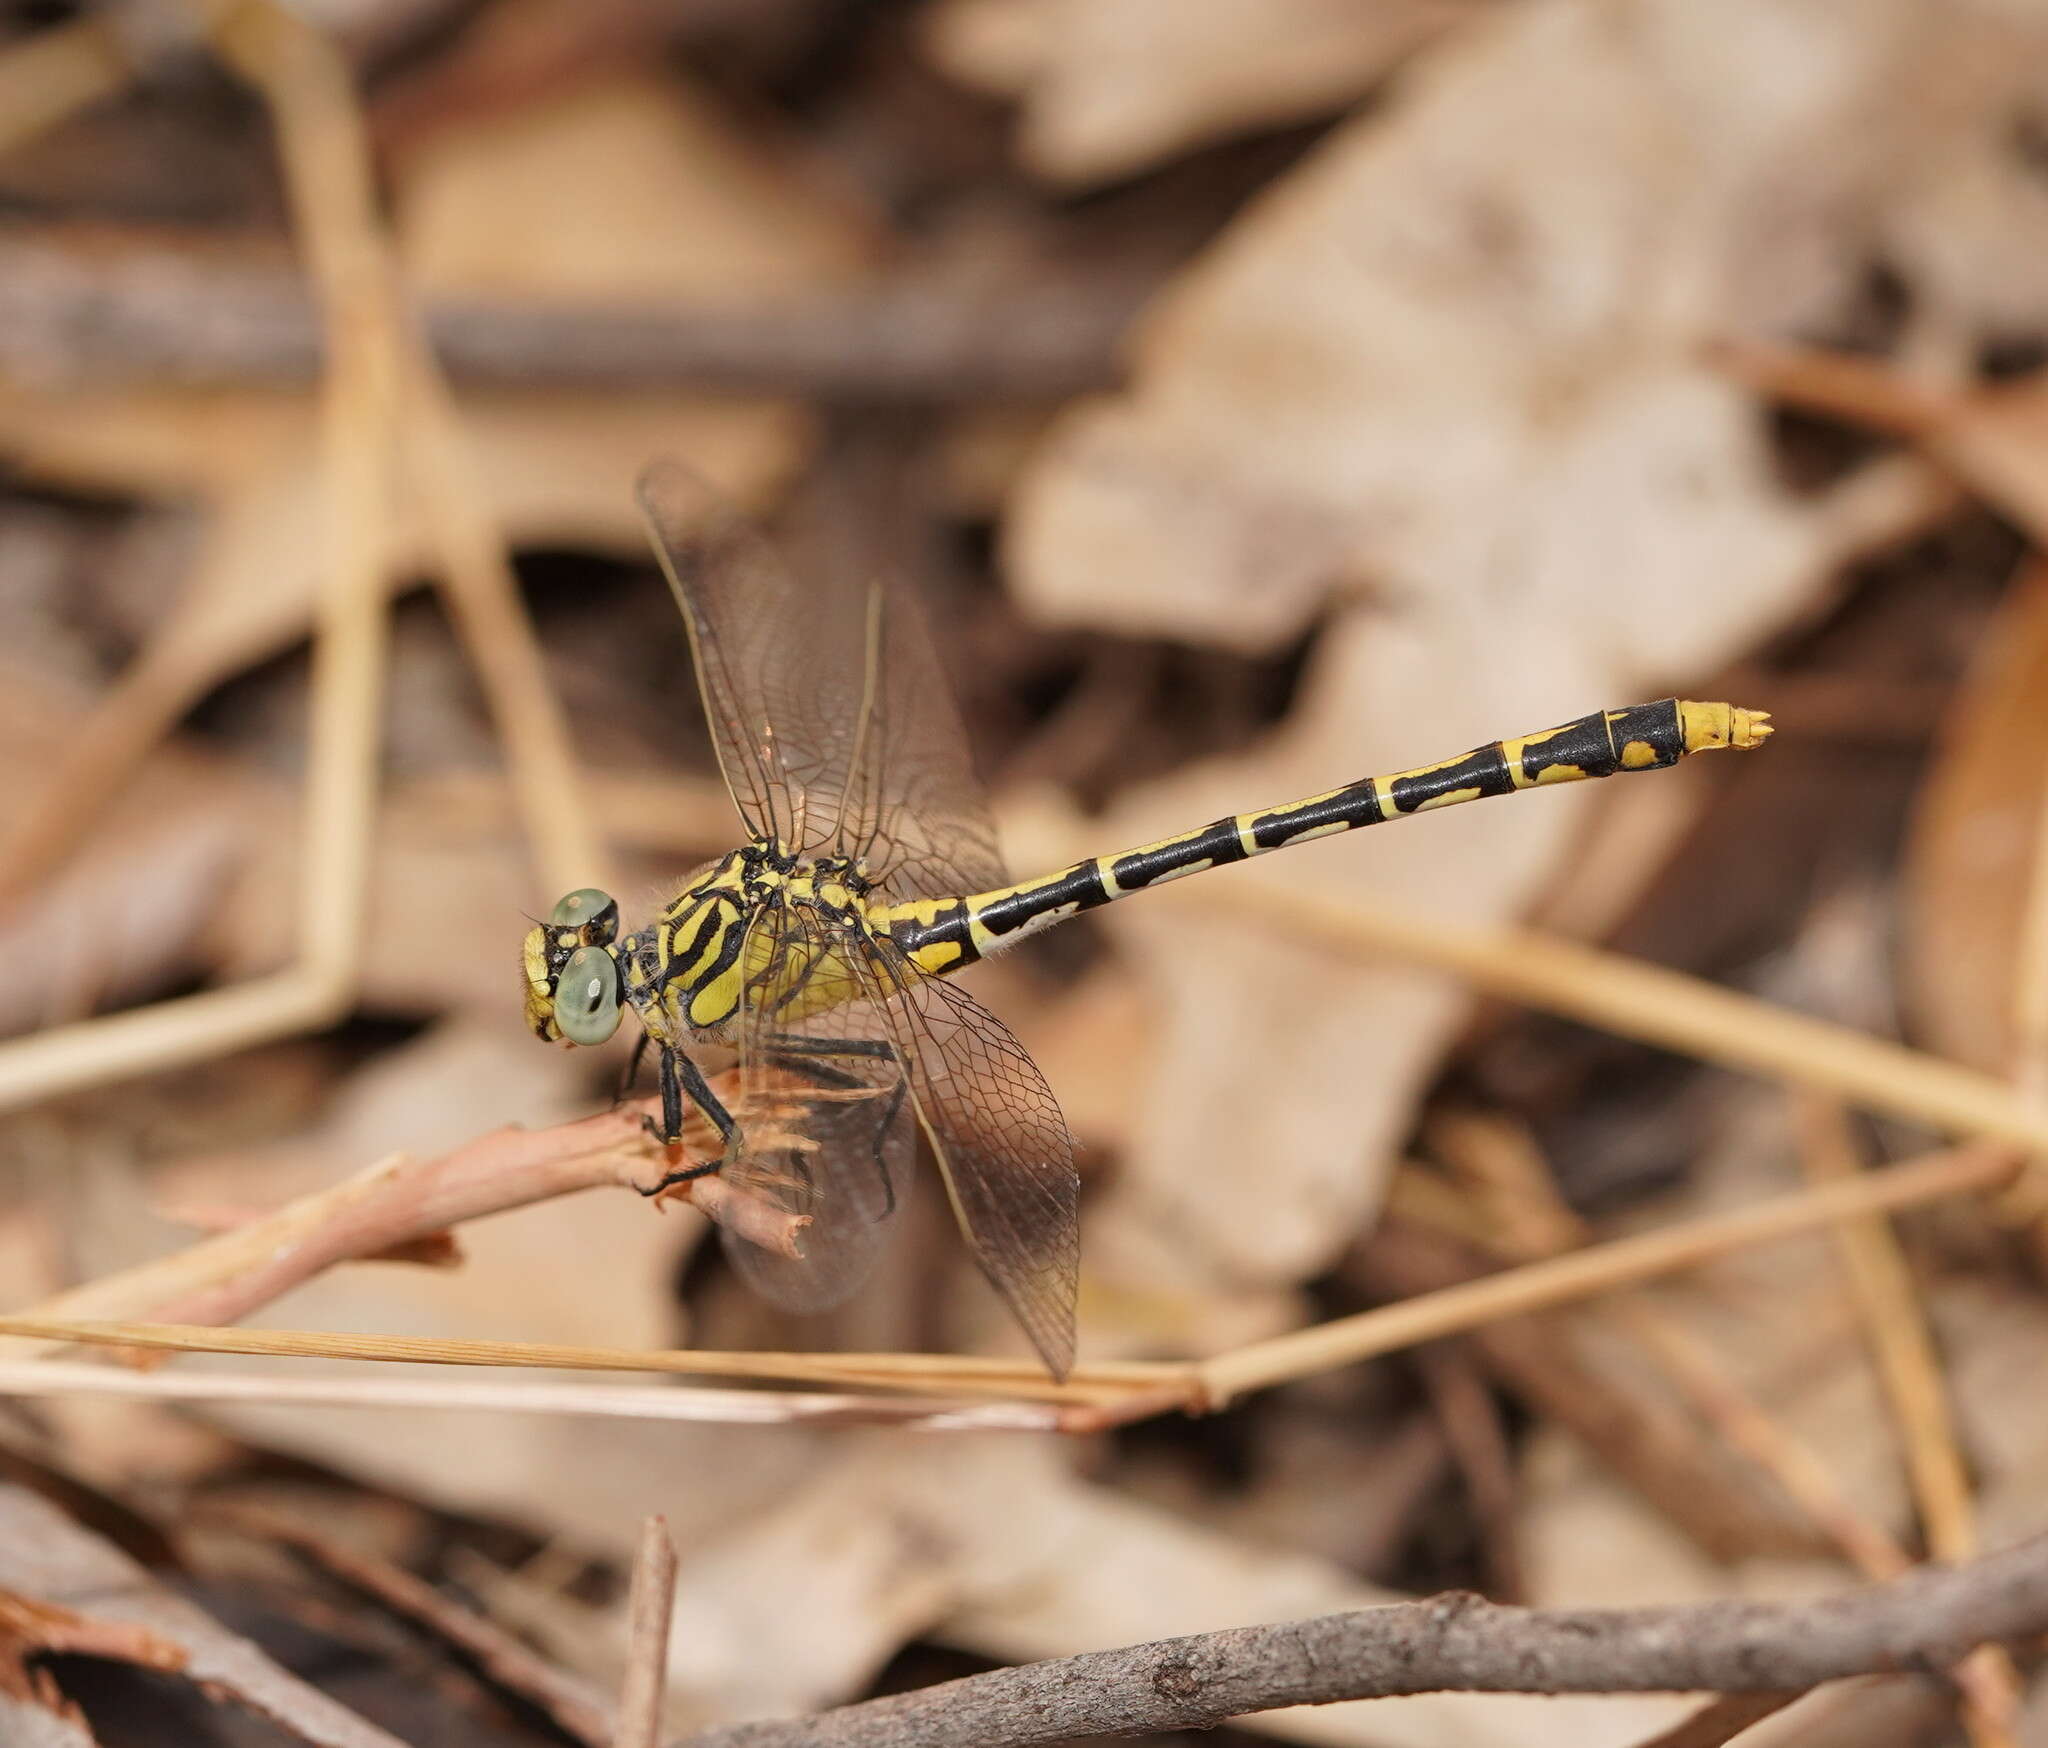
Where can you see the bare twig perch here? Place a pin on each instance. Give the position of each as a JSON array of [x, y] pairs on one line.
[[398, 1202], [76, 315], [1924, 1621]]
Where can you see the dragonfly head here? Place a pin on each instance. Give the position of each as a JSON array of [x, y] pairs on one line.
[[573, 984]]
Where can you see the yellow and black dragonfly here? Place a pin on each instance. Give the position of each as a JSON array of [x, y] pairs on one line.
[[818, 951]]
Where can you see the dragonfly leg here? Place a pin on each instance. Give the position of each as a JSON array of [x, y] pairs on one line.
[[801, 1055], [680, 1077]]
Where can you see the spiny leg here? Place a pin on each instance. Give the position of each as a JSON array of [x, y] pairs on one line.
[[680, 1076], [800, 1055]]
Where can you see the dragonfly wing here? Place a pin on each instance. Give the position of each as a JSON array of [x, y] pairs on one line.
[[825, 1118], [834, 723], [1002, 1148]]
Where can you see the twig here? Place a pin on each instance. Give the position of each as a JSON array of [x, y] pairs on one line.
[[1888, 1305], [923, 1374], [1478, 1442], [392, 1203], [909, 336], [605, 1401], [1861, 391], [35, 1378], [1569, 1382], [1099, 1394], [1598, 1269], [1927, 1619], [333, 207], [1788, 1460], [653, 1601], [578, 1708]]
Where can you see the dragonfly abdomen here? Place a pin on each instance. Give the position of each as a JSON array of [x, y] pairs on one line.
[[941, 935]]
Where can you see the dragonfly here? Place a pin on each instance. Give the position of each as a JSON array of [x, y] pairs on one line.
[[820, 951]]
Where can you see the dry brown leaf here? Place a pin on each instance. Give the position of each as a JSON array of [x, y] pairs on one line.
[[1113, 86], [55, 1567], [1971, 857], [1452, 364]]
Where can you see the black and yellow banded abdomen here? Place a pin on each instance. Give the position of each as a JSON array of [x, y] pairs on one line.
[[940, 935]]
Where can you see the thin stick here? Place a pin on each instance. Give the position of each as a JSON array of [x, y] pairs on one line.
[[1927, 1619], [1159, 1386], [1860, 391], [1788, 1460], [653, 1601], [38, 1378], [401, 1202], [1887, 1303], [927, 1374], [1667, 1008], [1895, 1325], [1598, 1269], [326, 176]]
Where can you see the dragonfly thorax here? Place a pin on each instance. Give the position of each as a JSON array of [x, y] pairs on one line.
[[713, 952]]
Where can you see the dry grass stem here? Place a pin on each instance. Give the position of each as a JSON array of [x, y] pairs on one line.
[[1101, 1393], [1666, 1008], [1598, 1269], [327, 177], [648, 1611], [1839, 385], [30, 1379], [922, 1374], [1744, 1425], [1895, 1324]]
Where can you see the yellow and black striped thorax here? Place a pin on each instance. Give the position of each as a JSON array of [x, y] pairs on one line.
[[940, 935], [716, 950]]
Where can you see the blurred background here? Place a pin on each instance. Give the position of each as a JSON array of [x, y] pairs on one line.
[[1260, 393]]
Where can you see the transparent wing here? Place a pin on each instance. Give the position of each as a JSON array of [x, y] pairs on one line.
[[826, 1121], [1001, 1143], [834, 724]]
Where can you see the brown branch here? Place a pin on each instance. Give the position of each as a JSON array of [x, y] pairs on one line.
[[1924, 1621], [68, 315], [399, 1202], [653, 1603]]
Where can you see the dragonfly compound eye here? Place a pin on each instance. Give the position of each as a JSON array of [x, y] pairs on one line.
[[593, 915], [587, 996]]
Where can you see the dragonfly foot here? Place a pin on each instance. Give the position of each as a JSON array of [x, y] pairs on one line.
[[682, 1175]]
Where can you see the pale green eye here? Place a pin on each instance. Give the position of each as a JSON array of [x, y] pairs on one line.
[[594, 915], [587, 996]]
